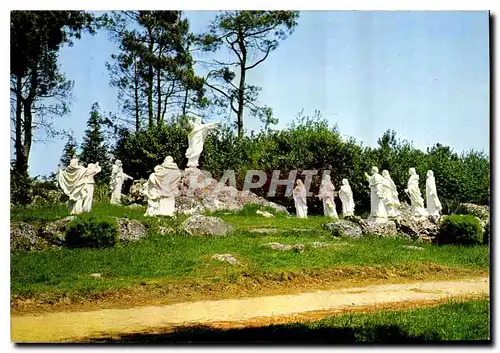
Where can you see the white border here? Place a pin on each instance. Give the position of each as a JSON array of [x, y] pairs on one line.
[[95, 5]]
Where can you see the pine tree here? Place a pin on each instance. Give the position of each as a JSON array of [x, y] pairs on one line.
[[94, 148], [69, 151]]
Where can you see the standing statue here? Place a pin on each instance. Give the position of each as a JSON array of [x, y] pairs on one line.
[[393, 204], [92, 170], [299, 197], [116, 183], [413, 191], [378, 196], [162, 187], [326, 194], [196, 138], [73, 182], [346, 196], [433, 204]]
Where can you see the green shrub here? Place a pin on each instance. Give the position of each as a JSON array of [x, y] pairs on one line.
[[20, 188], [312, 143], [101, 192], [460, 229], [92, 232]]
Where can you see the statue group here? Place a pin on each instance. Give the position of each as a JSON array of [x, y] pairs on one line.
[[384, 196], [77, 181], [327, 195], [384, 200]]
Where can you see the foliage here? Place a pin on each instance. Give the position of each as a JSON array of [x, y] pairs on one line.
[[481, 212], [20, 188], [460, 229], [246, 35], [46, 192], [94, 147], [154, 70], [102, 193], [90, 231], [37, 86], [311, 143], [141, 151], [69, 151], [49, 213]]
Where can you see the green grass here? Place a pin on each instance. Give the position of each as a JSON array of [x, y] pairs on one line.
[[176, 257], [54, 212], [453, 321]]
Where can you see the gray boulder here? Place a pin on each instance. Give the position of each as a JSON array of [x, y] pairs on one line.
[[344, 228], [423, 229], [210, 198], [24, 237], [200, 225], [407, 227], [130, 229], [384, 230], [225, 258], [55, 232], [284, 247]]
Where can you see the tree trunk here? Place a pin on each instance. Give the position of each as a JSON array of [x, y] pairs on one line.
[[136, 96], [150, 78], [241, 88], [184, 105], [28, 132], [158, 87], [28, 118], [19, 121]]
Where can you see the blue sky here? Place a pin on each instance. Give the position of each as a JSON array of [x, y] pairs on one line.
[[423, 74]]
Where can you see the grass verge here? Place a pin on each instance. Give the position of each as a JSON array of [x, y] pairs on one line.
[[456, 320]]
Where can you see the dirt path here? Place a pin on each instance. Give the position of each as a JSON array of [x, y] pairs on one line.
[[67, 326]]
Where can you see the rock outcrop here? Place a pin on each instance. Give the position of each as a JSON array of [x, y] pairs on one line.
[[200, 225]]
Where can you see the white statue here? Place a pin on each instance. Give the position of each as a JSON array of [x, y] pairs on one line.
[[393, 203], [413, 191], [299, 197], [433, 204], [378, 196], [73, 182], [196, 138], [92, 170], [162, 187], [326, 194], [116, 183], [346, 196]]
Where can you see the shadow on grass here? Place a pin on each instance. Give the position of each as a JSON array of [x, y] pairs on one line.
[[280, 334]]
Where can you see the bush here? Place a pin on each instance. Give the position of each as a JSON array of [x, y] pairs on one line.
[[460, 229], [312, 143], [20, 188], [101, 192], [92, 232]]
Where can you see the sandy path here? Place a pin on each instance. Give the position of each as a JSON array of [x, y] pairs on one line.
[[65, 326]]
